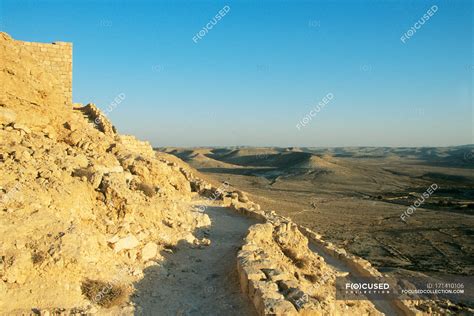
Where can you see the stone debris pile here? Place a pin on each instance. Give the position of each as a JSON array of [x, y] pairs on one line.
[[79, 204]]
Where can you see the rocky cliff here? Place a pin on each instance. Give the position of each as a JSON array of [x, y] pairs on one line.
[[82, 209]]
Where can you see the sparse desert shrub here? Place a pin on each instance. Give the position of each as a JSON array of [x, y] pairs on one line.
[[299, 262], [105, 294], [38, 257], [311, 278], [290, 253], [147, 189], [297, 275]]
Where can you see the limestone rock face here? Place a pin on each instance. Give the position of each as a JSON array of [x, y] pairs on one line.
[[77, 201]]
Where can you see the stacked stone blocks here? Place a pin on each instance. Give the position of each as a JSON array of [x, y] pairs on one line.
[[56, 58]]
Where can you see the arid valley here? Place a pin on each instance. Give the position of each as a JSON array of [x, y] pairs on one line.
[[356, 197]]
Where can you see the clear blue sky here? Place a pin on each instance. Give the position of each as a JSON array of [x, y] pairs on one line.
[[264, 66]]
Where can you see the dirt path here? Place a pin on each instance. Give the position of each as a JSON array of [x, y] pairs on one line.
[[195, 281], [382, 306]]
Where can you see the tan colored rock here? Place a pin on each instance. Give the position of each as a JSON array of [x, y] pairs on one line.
[[149, 251], [7, 116], [74, 137], [279, 307], [20, 269], [128, 242], [93, 176], [21, 127], [242, 197]]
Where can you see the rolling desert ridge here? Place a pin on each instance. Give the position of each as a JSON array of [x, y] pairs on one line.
[[315, 187], [236, 158]]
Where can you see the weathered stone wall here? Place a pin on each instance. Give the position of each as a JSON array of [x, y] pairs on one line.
[[99, 120], [134, 144], [263, 276], [56, 57]]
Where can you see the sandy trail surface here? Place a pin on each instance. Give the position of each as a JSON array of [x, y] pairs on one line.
[[199, 281], [383, 306]]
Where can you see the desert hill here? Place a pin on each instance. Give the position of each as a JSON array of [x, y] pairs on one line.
[[79, 201]]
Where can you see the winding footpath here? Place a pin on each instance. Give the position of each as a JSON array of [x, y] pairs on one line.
[[199, 281], [204, 280]]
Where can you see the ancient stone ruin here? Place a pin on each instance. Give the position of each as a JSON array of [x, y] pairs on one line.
[[54, 58]]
